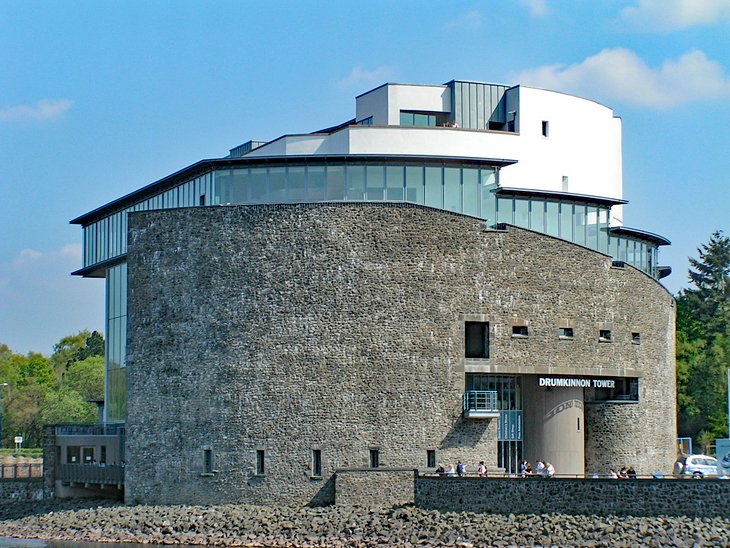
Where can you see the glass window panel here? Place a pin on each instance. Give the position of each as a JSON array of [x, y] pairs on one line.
[[488, 182], [566, 221], [470, 191], [424, 120], [355, 183], [522, 212], [414, 184], [375, 183], [406, 118], [239, 186], [434, 187], [537, 215], [335, 182], [580, 224], [296, 181], [316, 183], [592, 227], [504, 210], [277, 185], [552, 218], [452, 189], [394, 180], [259, 187]]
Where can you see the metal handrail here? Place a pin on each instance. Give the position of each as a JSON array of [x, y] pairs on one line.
[[480, 400], [90, 429]]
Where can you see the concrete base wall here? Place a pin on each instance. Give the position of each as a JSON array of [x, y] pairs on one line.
[[641, 497]]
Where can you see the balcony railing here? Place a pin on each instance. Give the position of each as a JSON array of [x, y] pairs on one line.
[[99, 474], [90, 429], [480, 404]]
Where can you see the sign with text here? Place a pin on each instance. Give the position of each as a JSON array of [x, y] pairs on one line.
[[573, 382]]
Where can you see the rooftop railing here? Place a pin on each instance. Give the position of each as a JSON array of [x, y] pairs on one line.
[[90, 429]]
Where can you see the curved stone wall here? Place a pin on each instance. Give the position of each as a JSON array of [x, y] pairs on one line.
[[274, 331]]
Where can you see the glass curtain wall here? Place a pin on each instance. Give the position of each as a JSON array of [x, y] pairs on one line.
[[509, 403], [116, 342]]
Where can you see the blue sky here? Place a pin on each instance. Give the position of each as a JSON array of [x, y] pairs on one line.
[[100, 98]]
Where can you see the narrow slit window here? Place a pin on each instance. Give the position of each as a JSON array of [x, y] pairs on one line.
[[636, 338], [208, 461], [431, 458], [545, 128], [374, 458], [260, 462], [317, 463]]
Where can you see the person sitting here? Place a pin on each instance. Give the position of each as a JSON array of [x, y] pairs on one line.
[[622, 473], [631, 473], [612, 473], [539, 468], [549, 470], [440, 470]]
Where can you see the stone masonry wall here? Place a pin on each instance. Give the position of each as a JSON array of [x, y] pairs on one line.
[[49, 461], [340, 327], [21, 489], [602, 497], [374, 487]]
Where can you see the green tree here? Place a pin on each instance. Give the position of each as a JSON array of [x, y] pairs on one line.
[[86, 377], [703, 342]]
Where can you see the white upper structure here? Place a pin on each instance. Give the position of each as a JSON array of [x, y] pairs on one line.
[[561, 143]]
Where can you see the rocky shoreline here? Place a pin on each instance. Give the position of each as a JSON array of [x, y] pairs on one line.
[[244, 525]]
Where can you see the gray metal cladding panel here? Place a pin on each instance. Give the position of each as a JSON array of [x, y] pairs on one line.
[[474, 104]]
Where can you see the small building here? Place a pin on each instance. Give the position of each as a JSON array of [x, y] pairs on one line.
[[447, 276]]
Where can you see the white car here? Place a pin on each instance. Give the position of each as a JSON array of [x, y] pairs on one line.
[[696, 466]]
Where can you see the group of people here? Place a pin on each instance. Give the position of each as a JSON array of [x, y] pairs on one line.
[[624, 473], [459, 470], [544, 469]]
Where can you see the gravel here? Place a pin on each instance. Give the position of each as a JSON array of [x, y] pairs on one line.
[[245, 525]]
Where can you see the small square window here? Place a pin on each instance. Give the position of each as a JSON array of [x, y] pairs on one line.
[[636, 337], [545, 128], [604, 335], [520, 331], [565, 332]]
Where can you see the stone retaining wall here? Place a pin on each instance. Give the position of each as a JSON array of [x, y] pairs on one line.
[[640, 497], [374, 487], [21, 489]]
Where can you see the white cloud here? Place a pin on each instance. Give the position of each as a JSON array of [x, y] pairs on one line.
[[471, 20], [667, 15], [621, 75], [43, 110], [26, 256], [359, 75], [40, 302], [537, 8]]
